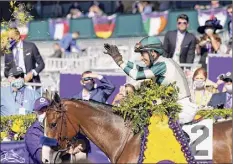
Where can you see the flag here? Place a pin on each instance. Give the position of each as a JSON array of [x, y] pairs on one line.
[[155, 22], [23, 31], [104, 25], [58, 28], [219, 13]]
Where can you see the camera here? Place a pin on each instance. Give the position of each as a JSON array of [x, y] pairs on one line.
[[221, 77]]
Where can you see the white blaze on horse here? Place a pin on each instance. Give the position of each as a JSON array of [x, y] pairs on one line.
[[111, 134]]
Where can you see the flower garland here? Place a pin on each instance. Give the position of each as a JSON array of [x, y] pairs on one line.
[[159, 134], [14, 127], [213, 113], [150, 99]]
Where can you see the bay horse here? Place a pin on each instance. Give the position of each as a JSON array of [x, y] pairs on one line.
[[112, 134]]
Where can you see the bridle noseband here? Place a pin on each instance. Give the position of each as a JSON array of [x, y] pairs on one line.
[[60, 108]]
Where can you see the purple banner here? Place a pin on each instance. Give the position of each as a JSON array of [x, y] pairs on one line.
[[218, 64], [14, 152], [70, 85]]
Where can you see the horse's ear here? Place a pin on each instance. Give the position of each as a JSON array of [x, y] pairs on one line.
[[47, 95], [56, 98]]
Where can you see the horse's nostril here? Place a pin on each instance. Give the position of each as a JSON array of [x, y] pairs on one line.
[[46, 161]]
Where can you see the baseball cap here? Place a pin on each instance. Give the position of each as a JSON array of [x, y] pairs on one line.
[[40, 103], [16, 71]]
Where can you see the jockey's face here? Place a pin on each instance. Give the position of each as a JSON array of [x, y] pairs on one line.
[[145, 58]]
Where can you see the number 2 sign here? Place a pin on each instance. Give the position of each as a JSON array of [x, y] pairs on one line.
[[201, 139]]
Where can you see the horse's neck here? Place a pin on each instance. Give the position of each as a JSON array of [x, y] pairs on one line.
[[103, 128]]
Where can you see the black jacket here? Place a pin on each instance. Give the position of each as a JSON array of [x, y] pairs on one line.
[[31, 58], [188, 46]]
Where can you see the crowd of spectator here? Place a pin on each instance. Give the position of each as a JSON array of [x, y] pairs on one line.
[[79, 9]]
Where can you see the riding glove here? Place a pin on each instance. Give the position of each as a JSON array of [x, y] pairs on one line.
[[113, 51]]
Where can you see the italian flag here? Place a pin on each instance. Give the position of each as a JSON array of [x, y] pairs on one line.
[[154, 23]]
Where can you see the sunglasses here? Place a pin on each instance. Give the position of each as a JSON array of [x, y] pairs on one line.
[[87, 79], [185, 23], [18, 76]]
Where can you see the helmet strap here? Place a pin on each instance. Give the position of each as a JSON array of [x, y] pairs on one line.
[[151, 58]]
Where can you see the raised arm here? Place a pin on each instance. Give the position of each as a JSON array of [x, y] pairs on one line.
[[157, 69]]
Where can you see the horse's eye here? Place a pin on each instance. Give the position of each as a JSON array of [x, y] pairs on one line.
[[53, 125]]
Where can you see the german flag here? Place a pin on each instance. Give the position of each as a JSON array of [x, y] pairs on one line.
[[104, 26]]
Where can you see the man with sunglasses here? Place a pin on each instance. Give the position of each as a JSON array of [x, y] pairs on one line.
[[159, 69], [180, 44], [17, 98], [91, 92]]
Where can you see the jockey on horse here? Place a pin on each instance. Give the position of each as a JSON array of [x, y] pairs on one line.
[[159, 69]]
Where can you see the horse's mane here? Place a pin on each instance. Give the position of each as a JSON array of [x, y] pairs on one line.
[[97, 105], [94, 103]]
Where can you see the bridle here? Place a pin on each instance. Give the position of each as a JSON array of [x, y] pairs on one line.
[[60, 108]]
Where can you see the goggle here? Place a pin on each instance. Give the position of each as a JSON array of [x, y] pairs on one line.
[[87, 78]]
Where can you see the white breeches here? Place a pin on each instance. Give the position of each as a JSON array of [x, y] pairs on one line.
[[188, 112]]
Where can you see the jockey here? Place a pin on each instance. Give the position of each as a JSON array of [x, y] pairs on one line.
[[159, 69]]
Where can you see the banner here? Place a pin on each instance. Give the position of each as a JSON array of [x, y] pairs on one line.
[[218, 64], [14, 152], [154, 23], [70, 85], [58, 28], [104, 25], [219, 13]]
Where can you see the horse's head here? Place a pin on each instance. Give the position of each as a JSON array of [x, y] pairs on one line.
[[57, 122]]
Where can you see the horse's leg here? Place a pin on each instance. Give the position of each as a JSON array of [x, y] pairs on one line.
[[222, 142], [131, 152]]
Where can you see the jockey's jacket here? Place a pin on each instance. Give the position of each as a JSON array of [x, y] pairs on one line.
[[163, 71]]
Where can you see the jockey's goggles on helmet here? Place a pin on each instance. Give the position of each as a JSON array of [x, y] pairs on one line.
[[140, 48], [87, 78]]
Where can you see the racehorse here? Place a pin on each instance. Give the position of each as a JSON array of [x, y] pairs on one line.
[[111, 133]]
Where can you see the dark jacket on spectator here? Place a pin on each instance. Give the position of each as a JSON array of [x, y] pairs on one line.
[[101, 93], [31, 58], [57, 54], [188, 46], [32, 141], [218, 99]]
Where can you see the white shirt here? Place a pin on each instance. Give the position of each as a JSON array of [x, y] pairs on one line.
[[19, 47], [86, 96], [179, 40]]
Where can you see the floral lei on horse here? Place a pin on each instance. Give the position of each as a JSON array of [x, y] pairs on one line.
[[153, 112]]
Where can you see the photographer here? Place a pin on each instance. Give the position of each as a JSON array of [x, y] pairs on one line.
[[124, 91], [210, 42], [223, 99]]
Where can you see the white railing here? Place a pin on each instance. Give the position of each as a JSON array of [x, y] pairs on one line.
[[66, 64]]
